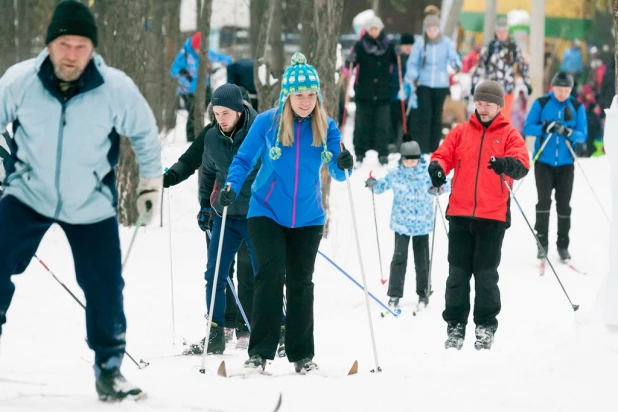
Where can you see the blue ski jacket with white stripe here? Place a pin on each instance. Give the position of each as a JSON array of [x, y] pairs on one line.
[[434, 73]]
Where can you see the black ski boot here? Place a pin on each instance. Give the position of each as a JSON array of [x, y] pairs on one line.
[[305, 366], [281, 349], [484, 336], [539, 254], [216, 340], [456, 333], [113, 387], [423, 301], [393, 302], [564, 254], [255, 362]]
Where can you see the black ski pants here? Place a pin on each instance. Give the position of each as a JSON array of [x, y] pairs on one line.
[[550, 178], [372, 128], [190, 106], [285, 256], [420, 245], [474, 248], [430, 105], [97, 260]]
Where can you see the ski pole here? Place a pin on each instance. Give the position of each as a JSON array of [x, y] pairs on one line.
[[161, 214], [375, 220], [442, 216], [403, 105], [428, 291], [169, 222], [214, 288], [137, 226], [362, 268], [587, 181], [574, 307], [141, 364], [230, 286], [395, 313]]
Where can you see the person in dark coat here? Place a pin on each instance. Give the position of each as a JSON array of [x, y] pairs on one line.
[[373, 56]]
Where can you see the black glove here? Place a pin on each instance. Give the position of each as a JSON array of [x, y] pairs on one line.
[[438, 177], [498, 165], [345, 160], [226, 197], [567, 132], [529, 90], [553, 127], [170, 178], [204, 219], [370, 183]]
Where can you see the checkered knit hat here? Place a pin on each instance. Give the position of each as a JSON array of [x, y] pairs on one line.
[[299, 77]]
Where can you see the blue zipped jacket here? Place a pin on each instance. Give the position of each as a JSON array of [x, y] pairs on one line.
[[66, 149], [434, 73], [286, 190], [549, 109], [413, 205]]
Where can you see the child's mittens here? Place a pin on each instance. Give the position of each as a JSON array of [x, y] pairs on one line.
[[371, 183]]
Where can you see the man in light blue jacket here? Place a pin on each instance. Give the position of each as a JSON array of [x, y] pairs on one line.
[[68, 111]]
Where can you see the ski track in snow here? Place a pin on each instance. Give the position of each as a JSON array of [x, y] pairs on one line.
[[545, 357]]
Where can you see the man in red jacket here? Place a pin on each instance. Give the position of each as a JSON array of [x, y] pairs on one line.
[[481, 152]]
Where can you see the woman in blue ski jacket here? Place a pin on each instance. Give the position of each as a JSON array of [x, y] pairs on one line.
[[286, 216], [427, 66], [412, 217]]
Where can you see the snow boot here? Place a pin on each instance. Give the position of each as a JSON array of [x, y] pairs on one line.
[[393, 302], [281, 349], [539, 253], [216, 340], [423, 301], [564, 254], [113, 387], [484, 336], [255, 362], [305, 366], [456, 333]]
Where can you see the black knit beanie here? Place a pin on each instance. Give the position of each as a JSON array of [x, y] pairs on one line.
[[489, 91], [228, 95], [562, 79], [72, 18], [407, 38]]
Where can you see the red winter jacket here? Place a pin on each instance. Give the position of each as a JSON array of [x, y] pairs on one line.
[[477, 191]]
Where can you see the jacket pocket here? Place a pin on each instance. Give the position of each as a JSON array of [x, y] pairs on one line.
[[19, 175], [270, 192]]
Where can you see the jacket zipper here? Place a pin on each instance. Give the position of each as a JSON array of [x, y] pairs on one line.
[[296, 178], [270, 192], [433, 70], [59, 159], [478, 169], [557, 139]]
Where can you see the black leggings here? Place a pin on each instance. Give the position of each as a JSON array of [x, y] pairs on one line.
[[430, 104]]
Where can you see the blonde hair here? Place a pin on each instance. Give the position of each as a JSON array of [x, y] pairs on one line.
[[319, 125]]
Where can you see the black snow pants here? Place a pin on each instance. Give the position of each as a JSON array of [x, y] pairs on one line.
[[430, 105], [372, 128], [420, 245]]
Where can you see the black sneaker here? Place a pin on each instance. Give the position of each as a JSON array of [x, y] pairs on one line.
[[305, 366], [113, 387], [456, 333], [564, 254], [281, 349], [255, 362], [484, 336]]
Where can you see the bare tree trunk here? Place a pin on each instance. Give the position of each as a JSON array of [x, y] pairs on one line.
[[123, 44], [24, 20], [257, 13], [8, 34], [204, 12], [453, 17], [276, 42], [375, 5], [326, 26], [615, 10], [173, 43], [265, 91]]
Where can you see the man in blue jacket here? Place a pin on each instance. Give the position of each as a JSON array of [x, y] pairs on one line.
[[68, 110], [558, 121]]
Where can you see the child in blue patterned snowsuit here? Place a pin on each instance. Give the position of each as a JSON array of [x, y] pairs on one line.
[[412, 217]]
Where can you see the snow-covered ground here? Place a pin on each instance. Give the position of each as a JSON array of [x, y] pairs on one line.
[[545, 357]]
